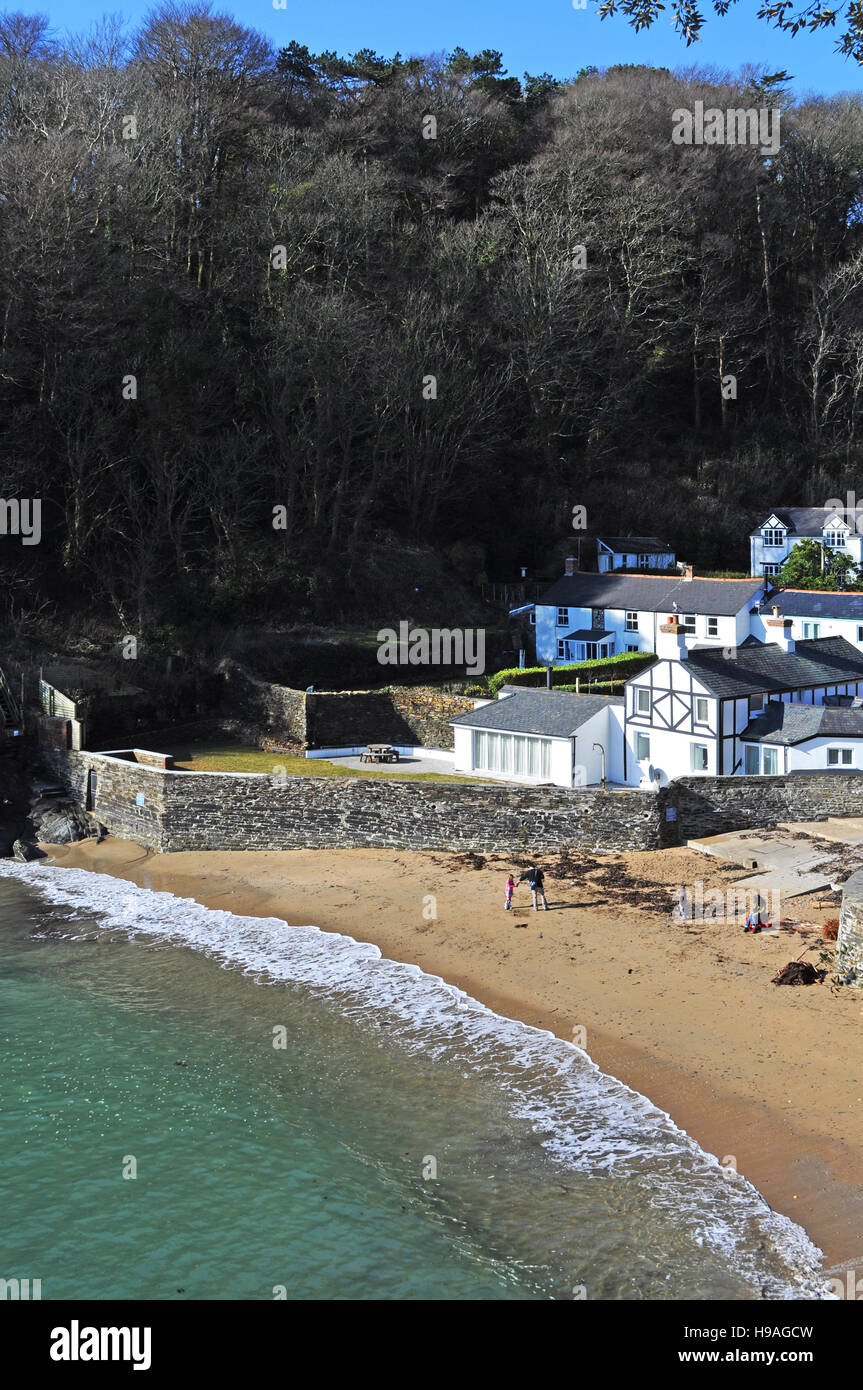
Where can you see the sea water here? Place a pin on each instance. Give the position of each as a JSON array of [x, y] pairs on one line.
[[198, 1105]]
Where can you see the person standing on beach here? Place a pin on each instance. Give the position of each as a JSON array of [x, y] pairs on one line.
[[535, 880], [510, 889]]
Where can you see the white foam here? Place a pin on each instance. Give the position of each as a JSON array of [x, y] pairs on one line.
[[587, 1119]]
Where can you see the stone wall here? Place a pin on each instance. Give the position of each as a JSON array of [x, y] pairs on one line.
[[715, 805], [171, 810], [208, 810], [343, 718], [849, 953]]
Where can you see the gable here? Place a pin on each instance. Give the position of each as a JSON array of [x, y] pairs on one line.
[[773, 523]]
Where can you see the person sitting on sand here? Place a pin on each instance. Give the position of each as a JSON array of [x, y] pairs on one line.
[[754, 922], [510, 889], [535, 879]]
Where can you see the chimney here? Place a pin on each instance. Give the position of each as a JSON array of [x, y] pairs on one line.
[[687, 572], [779, 631], [569, 565], [671, 640]]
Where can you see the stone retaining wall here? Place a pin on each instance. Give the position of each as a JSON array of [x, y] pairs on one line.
[[849, 953]]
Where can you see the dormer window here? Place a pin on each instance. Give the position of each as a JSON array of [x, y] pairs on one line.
[[773, 535], [834, 538]]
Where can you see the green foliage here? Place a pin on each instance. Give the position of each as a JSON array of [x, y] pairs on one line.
[[811, 565], [623, 666]]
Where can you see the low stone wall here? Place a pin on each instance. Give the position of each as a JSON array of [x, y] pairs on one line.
[[849, 953], [715, 805], [173, 810]]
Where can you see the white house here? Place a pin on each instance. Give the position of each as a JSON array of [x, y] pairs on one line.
[[812, 613], [772, 541], [632, 552], [542, 736], [583, 616], [698, 710]]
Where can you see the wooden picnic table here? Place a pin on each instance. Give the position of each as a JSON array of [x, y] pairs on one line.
[[380, 753]]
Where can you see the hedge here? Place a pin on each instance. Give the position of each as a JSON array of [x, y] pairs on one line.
[[608, 668]]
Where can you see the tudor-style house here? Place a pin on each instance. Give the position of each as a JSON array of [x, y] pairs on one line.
[[760, 708], [633, 552], [773, 540], [583, 616]]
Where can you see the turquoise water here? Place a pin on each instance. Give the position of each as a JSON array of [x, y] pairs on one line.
[[405, 1143]]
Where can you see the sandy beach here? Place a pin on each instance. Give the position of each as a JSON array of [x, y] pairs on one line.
[[768, 1078]]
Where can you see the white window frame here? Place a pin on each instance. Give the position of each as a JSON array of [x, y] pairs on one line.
[[771, 569], [712, 627], [773, 753], [860, 632], [642, 741], [811, 631], [750, 749], [835, 538], [631, 647], [561, 650], [687, 621], [698, 762], [699, 701], [532, 618], [632, 622], [837, 761], [769, 534], [563, 621], [639, 707]]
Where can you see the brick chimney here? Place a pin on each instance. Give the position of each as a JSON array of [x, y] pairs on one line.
[[569, 565]]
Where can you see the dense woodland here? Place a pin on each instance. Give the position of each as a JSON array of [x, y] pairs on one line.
[[270, 245]]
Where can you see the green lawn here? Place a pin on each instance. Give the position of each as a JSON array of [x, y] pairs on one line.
[[232, 757]]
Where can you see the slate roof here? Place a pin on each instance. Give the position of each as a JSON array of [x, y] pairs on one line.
[[648, 593], [631, 545], [786, 723], [815, 603], [767, 668], [801, 521], [552, 713]]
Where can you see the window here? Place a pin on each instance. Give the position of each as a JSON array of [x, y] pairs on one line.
[[533, 617], [687, 620], [561, 650], [642, 701], [642, 747], [644, 562], [699, 757], [771, 569], [751, 759], [631, 648], [835, 539], [756, 704], [632, 622], [522, 755], [811, 630], [770, 766], [712, 627], [840, 757], [700, 711], [772, 536], [563, 617], [859, 633]]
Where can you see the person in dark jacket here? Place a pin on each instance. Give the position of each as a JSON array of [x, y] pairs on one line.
[[535, 882]]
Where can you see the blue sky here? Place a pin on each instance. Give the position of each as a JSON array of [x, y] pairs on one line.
[[533, 35]]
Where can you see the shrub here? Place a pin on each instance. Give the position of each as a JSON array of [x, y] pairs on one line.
[[607, 668]]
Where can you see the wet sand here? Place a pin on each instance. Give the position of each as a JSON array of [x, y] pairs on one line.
[[769, 1078]]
